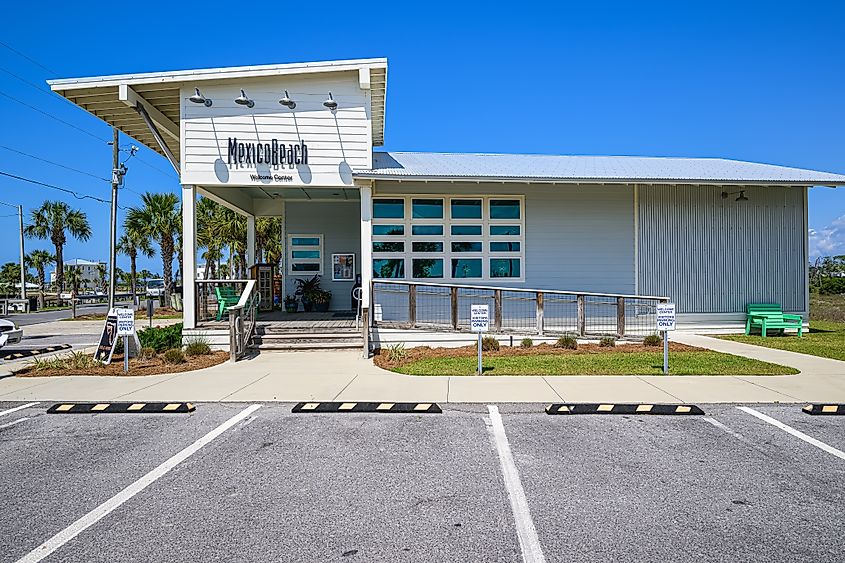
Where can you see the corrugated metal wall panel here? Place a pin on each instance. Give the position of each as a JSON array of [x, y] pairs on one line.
[[715, 255]]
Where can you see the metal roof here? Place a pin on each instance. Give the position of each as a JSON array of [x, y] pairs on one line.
[[574, 169], [101, 96]]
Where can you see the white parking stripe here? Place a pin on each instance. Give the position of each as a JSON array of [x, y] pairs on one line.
[[798, 434], [18, 421], [21, 407], [526, 533], [725, 429], [108, 506]]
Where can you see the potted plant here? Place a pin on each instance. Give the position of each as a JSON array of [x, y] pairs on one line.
[[291, 304], [305, 290], [321, 300]]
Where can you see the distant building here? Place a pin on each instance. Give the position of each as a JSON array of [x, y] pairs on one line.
[[89, 270]]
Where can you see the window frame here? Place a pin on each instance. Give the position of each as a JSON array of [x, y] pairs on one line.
[[486, 255], [291, 260]]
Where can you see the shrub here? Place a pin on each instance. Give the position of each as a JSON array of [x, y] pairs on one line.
[[197, 347], [174, 356], [161, 338], [489, 344], [567, 341], [652, 340], [397, 352], [832, 286], [526, 343], [73, 360], [147, 353], [607, 342]]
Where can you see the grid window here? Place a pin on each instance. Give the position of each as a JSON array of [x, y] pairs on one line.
[[426, 246], [504, 209], [500, 246], [499, 230], [427, 267], [427, 208], [397, 246], [427, 230], [504, 267], [384, 208], [388, 268], [466, 230], [388, 230], [305, 254], [466, 246], [463, 268], [466, 209]]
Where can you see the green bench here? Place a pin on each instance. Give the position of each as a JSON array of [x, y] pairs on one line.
[[767, 316], [226, 297]]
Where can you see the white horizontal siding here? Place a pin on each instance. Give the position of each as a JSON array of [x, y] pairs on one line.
[[338, 142]]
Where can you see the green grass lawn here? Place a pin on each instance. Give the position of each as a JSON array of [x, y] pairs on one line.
[[825, 339], [608, 363]]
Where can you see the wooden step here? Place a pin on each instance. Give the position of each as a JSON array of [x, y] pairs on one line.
[[303, 346]]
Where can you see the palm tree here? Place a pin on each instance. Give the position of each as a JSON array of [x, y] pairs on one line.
[[230, 228], [101, 276], [208, 212], [268, 239], [160, 219], [131, 243], [40, 259], [53, 220], [145, 275]]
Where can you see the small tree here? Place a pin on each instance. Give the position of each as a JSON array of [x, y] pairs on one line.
[[73, 277], [40, 259]]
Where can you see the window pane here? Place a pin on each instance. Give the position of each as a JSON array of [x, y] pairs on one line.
[[504, 209], [466, 209], [305, 241], [389, 268], [427, 246], [389, 208], [388, 229], [504, 247], [466, 247], [427, 230], [504, 268], [306, 253], [463, 268], [427, 268], [427, 208], [388, 247], [308, 267], [473, 230], [504, 229]]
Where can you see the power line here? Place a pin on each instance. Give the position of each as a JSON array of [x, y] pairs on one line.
[[54, 163], [30, 59], [51, 116], [51, 186], [28, 83]]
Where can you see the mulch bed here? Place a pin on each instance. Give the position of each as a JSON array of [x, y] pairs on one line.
[[159, 313], [426, 352], [154, 366]]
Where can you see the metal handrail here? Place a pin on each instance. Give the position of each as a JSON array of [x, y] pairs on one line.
[[242, 318], [518, 289]]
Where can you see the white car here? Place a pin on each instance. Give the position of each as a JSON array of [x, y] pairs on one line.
[[155, 288], [10, 333]]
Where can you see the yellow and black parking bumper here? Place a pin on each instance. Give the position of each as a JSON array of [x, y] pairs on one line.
[[627, 408], [385, 407], [121, 408], [823, 409]]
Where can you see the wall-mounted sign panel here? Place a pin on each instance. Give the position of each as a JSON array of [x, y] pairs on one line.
[[271, 144]]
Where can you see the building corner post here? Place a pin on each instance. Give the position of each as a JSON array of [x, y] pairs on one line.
[[366, 261], [189, 256], [250, 242]]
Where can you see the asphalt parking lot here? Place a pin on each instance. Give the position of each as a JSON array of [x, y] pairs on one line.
[[263, 484]]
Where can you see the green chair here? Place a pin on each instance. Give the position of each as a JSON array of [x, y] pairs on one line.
[[767, 316], [226, 297]]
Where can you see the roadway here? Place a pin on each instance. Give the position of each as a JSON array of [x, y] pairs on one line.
[[257, 483]]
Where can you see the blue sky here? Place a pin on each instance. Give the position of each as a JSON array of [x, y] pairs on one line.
[[750, 81]]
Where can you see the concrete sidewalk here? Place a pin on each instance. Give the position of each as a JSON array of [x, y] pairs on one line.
[[328, 376]]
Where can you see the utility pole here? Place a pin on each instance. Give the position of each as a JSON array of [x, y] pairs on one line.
[[23, 255], [115, 182]]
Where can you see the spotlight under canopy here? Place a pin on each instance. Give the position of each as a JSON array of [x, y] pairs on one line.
[[198, 98], [330, 103], [287, 102], [740, 195], [244, 100]]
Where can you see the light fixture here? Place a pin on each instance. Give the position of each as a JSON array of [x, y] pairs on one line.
[[740, 197], [330, 103], [287, 102], [244, 100], [198, 98]]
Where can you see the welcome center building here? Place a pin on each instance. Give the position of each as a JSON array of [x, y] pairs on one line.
[[299, 141]]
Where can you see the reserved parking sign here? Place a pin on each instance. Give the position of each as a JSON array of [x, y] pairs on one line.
[[665, 316], [479, 318]]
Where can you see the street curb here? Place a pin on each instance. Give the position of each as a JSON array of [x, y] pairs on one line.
[[822, 409], [612, 408], [121, 408], [383, 407], [35, 352]]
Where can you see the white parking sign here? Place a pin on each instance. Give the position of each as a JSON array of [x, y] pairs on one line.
[[665, 316], [479, 318], [125, 322]]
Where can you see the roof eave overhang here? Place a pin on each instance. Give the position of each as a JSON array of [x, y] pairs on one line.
[[627, 181]]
